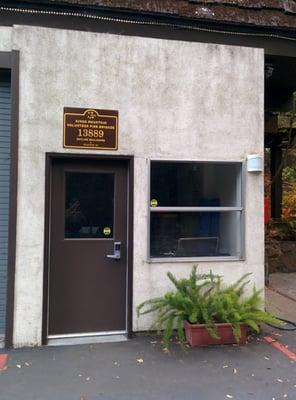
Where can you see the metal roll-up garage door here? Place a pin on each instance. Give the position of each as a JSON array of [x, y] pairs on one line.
[[5, 99]]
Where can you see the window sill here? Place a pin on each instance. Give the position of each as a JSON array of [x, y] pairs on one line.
[[193, 259]]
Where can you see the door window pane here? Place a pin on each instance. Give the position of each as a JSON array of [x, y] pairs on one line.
[[89, 207], [186, 184], [198, 234]]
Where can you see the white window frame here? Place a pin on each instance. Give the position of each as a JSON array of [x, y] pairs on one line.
[[200, 209]]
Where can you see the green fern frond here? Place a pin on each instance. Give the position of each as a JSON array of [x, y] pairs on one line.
[[211, 328], [202, 298], [252, 324], [168, 330], [180, 332], [236, 328]]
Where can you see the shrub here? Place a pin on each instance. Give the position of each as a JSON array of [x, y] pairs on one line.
[[204, 299]]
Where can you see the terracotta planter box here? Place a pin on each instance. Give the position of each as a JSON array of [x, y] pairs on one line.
[[197, 334]]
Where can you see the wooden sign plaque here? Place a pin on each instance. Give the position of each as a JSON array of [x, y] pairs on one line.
[[88, 128]]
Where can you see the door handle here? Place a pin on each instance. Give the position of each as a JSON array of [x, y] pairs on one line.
[[116, 251]]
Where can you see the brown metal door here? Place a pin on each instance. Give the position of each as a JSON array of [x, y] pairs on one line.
[[87, 289]]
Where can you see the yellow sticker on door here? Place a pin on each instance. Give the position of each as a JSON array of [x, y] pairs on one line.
[[107, 231]]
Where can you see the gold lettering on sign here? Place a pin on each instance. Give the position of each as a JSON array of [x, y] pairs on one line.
[[90, 129]]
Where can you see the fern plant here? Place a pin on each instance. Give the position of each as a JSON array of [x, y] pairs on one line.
[[204, 299]]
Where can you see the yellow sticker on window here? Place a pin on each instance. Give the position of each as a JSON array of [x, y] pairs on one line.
[[107, 231], [153, 203]]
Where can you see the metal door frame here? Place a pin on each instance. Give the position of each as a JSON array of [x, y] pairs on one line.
[[50, 159]]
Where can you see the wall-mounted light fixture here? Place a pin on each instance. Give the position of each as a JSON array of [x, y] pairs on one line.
[[254, 163]]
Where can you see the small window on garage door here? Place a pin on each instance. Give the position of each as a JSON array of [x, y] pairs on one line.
[[196, 210]]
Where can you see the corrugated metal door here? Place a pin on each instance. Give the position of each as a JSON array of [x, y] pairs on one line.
[[5, 98]]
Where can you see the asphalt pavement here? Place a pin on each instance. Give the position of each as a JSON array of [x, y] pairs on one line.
[[138, 369]]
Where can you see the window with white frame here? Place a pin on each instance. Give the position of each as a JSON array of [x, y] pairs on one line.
[[196, 210]]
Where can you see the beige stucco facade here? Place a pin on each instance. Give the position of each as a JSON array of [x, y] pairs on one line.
[[210, 95]]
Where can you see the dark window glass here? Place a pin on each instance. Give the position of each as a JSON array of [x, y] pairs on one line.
[[89, 205], [199, 234], [195, 184]]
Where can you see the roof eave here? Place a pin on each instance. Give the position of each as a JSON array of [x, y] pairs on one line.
[[153, 17]]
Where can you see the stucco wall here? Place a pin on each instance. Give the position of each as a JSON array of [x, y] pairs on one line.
[[211, 95], [5, 38]]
